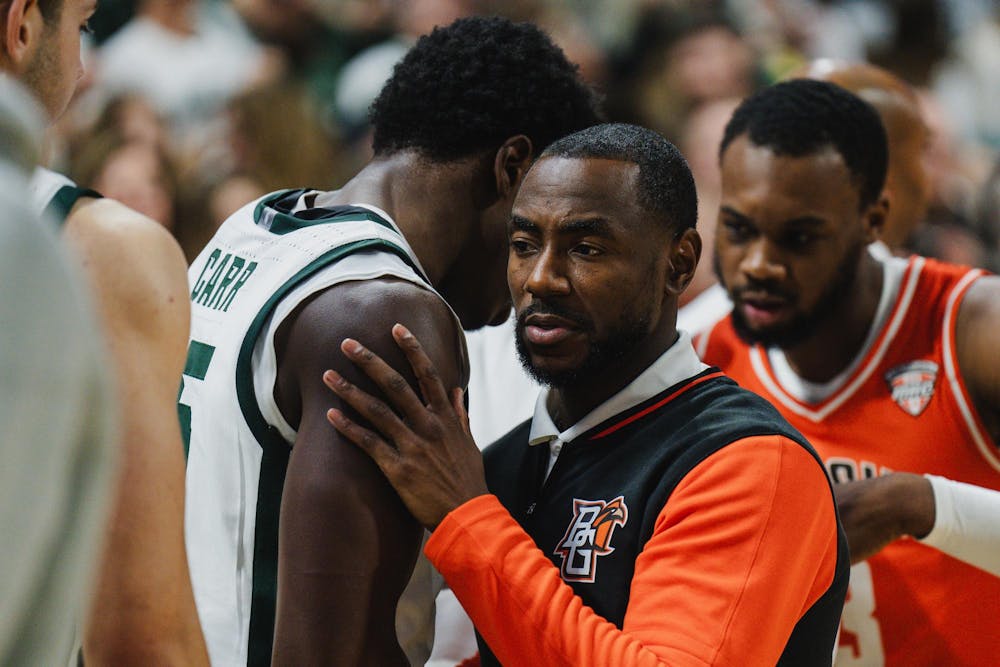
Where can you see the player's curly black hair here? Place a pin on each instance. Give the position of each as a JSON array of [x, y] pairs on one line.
[[666, 186], [471, 85], [802, 116]]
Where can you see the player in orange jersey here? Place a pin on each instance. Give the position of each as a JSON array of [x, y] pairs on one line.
[[887, 366]]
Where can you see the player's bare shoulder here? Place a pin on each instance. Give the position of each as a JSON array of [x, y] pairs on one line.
[[375, 306], [136, 267], [308, 342], [975, 346]]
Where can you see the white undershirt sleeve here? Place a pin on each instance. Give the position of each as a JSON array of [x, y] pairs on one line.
[[966, 524]]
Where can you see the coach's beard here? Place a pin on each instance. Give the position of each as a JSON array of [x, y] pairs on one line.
[[601, 355]]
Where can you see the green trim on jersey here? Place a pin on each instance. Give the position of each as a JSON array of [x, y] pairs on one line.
[[64, 199], [282, 223], [275, 453], [199, 356]]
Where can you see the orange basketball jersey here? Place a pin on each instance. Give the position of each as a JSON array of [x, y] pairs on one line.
[[903, 408]]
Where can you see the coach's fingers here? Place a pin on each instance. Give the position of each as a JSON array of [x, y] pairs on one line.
[[375, 411], [458, 405], [386, 456], [393, 385], [427, 374]]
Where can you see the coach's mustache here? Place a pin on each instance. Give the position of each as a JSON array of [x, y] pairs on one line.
[[538, 307]]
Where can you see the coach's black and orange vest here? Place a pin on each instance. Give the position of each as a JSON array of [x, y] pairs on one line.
[[634, 461]]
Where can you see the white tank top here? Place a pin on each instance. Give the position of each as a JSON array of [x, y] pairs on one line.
[[264, 261]]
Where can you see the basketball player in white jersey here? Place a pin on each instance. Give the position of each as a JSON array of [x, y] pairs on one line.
[[417, 236], [143, 610]]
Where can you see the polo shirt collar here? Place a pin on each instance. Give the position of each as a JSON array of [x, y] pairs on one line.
[[678, 363]]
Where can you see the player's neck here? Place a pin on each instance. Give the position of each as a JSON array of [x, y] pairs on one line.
[[830, 350], [428, 201]]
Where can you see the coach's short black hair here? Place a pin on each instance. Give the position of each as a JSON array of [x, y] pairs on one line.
[[471, 85], [666, 186], [802, 116]]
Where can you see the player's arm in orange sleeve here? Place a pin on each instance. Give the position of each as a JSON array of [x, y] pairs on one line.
[[745, 545]]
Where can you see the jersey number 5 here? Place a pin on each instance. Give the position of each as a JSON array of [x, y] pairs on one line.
[[198, 358]]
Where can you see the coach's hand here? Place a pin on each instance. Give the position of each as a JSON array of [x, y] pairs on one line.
[[430, 458], [883, 509]]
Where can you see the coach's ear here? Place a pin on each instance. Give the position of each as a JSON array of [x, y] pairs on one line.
[[511, 164], [22, 29], [684, 253]]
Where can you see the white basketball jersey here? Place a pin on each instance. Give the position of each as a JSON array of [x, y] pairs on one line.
[[263, 262], [54, 195]]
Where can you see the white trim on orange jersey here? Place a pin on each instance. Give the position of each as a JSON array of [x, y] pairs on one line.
[[983, 442], [866, 369]]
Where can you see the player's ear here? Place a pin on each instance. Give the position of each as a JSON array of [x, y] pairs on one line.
[[22, 29], [511, 163], [874, 217], [684, 253]]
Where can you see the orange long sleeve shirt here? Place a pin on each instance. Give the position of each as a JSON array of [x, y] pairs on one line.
[[743, 548]]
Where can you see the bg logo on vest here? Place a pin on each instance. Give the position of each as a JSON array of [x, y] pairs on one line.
[[589, 536]]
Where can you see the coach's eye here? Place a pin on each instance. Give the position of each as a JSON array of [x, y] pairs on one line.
[[799, 240], [737, 230], [587, 250], [520, 246]]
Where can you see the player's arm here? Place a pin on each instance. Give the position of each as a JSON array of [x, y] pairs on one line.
[[347, 544], [750, 534], [959, 519], [964, 517], [143, 611], [976, 350]]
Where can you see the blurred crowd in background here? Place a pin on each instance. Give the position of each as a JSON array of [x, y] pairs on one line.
[[192, 108]]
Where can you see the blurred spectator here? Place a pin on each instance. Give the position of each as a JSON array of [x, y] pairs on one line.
[[577, 40], [957, 167], [277, 139], [317, 37], [133, 117], [137, 173], [683, 59], [274, 140], [968, 86], [187, 58], [918, 39]]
